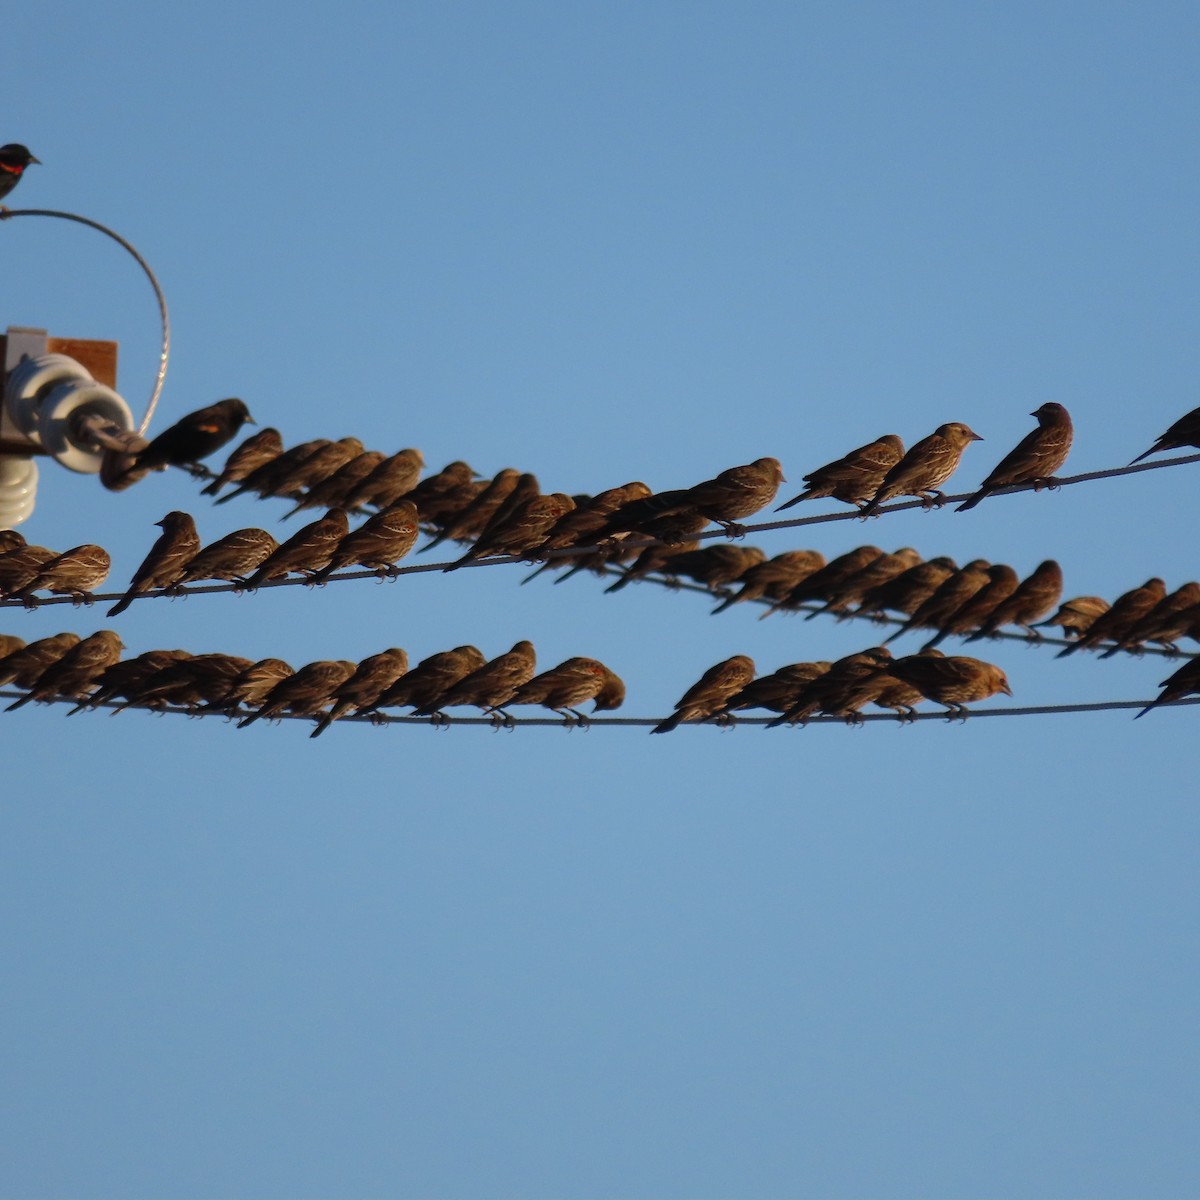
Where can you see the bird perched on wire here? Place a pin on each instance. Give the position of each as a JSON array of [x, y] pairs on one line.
[[390, 481], [953, 681], [437, 496], [196, 435], [331, 492], [191, 681], [489, 687], [177, 545], [1034, 459], [777, 691], [254, 684], [773, 579], [431, 677], [1077, 615], [522, 531], [19, 567], [736, 493], [1184, 682], [713, 566], [471, 521], [231, 558], [76, 573], [928, 465], [825, 584], [1170, 618], [1002, 582], [656, 558], [711, 692], [23, 666], [1035, 596], [275, 475], [836, 692], [306, 692], [564, 688], [1185, 432], [125, 678], [306, 551], [256, 451], [948, 598], [377, 544], [853, 588], [371, 678], [1127, 610], [14, 158], [76, 671], [10, 644], [855, 477], [316, 468], [909, 590]]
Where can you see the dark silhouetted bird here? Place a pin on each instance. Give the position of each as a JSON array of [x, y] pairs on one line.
[[489, 687], [191, 681], [909, 590], [855, 477], [1184, 682], [231, 558], [371, 678], [24, 665], [73, 675], [1126, 611], [178, 544], [14, 158], [431, 678], [1035, 458], [1185, 432], [196, 435], [564, 688], [316, 468], [377, 544], [256, 451], [714, 566], [1035, 596], [655, 559], [76, 573], [305, 692], [1169, 619], [953, 681], [711, 692], [923, 470], [306, 551], [1001, 583], [823, 584], [953, 593]]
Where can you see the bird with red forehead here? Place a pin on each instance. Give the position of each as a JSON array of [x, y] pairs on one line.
[[14, 158]]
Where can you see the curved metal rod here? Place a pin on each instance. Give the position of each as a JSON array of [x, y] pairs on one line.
[[165, 353]]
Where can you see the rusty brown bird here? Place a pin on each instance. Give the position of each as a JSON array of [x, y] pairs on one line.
[[469, 524], [1035, 596], [74, 674], [489, 687], [949, 597], [1034, 459], [836, 692], [10, 644], [316, 468], [822, 585], [1077, 615], [773, 579], [522, 532], [736, 493], [1169, 619], [306, 692], [123, 679], [23, 665], [439, 494], [331, 492], [714, 566], [777, 691], [711, 692], [909, 590], [952, 681], [10, 539], [923, 470], [371, 678], [855, 477], [431, 678], [254, 684], [176, 546], [231, 558], [1185, 432], [378, 543], [840, 597], [564, 688], [258, 449], [390, 481], [273, 476], [307, 550], [20, 566], [75, 573], [1002, 582], [1126, 611]]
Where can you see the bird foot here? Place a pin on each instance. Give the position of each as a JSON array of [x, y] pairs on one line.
[[733, 529]]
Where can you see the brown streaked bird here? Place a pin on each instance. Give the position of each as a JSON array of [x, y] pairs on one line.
[[432, 677], [711, 692], [633, 516], [441, 494], [489, 687], [306, 692], [469, 524], [957, 589], [1167, 631], [1184, 682], [837, 691], [715, 565], [1169, 619], [273, 475], [855, 477], [74, 674], [842, 596], [1034, 459], [123, 679], [316, 468], [777, 691], [1127, 610], [306, 551], [255, 684], [372, 677], [1035, 596], [331, 492], [1185, 432], [23, 666], [391, 480], [19, 567], [524, 489], [1077, 615], [953, 681], [736, 493], [378, 543], [773, 579], [1002, 582], [189, 682], [897, 695], [196, 435], [76, 573], [258, 449], [909, 590], [923, 470], [10, 644], [564, 688], [177, 545], [10, 539], [655, 559], [231, 558], [822, 585], [524, 530]]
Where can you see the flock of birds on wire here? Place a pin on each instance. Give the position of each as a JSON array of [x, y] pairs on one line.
[[644, 531]]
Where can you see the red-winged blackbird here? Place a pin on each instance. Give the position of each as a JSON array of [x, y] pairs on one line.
[[1126, 611], [196, 435], [714, 566], [855, 477], [14, 158], [316, 468], [948, 598], [390, 481], [823, 584], [776, 577], [371, 678], [377, 544], [1002, 582], [1077, 615], [255, 684], [737, 492], [1183, 682], [711, 692], [124, 678], [331, 492], [468, 524], [1185, 432], [306, 692], [274, 476], [432, 677], [837, 691], [841, 596], [10, 539], [1035, 596], [256, 451], [306, 551], [19, 567], [489, 687], [524, 530], [76, 572], [170, 554], [1035, 458], [231, 558], [1169, 619], [777, 691], [76, 671], [564, 688], [909, 590], [928, 465], [952, 681], [23, 666]]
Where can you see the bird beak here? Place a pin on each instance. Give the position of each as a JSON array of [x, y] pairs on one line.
[[976, 438], [32, 159]]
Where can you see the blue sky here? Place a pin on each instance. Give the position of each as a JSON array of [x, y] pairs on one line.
[[602, 243]]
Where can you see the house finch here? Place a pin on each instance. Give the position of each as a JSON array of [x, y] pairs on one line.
[[438, 494], [841, 596], [178, 544], [928, 465], [1077, 615], [189, 682], [1035, 458], [10, 539], [431, 678], [737, 492], [1126, 611], [1035, 596], [489, 687], [654, 559], [774, 578], [714, 566], [777, 691], [909, 590], [231, 558], [1001, 583], [257, 450], [10, 644], [20, 567], [469, 524], [822, 584], [711, 692], [74, 673], [316, 468], [254, 684], [953, 681], [564, 688], [855, 477], [950, 596], [125, 677], [1185, 432], [331, 492], [14, 158], [378, 543], [371, 678], [196, 435], [273, 477], [1169, 619], [524, 530], [77, 573], [306, 692], [390, 481], [24, 665], [306, 551], [837, 691], [1183, 682]]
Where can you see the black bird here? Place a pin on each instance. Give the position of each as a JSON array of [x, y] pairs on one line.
[[14, 158], [197, 435]]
